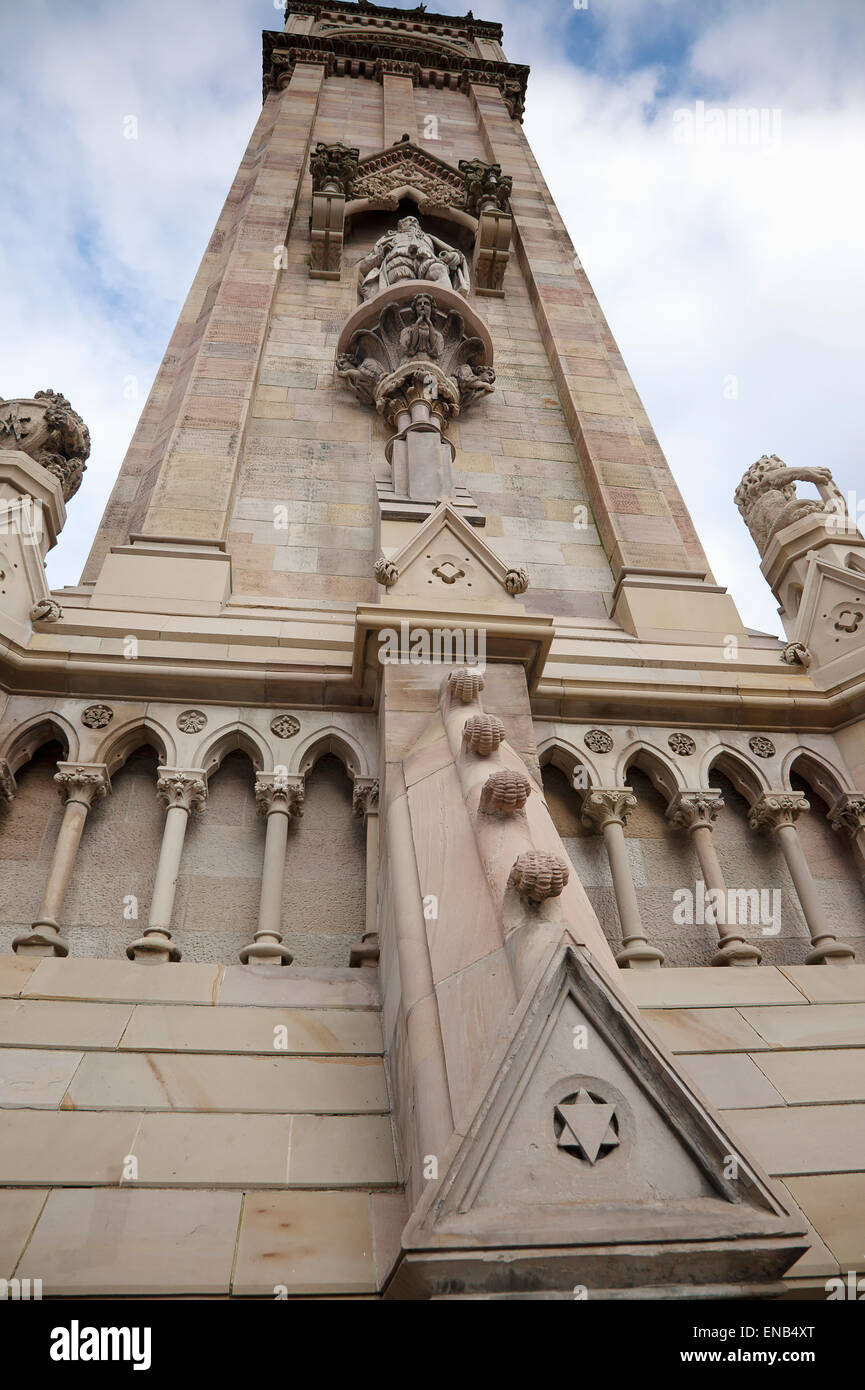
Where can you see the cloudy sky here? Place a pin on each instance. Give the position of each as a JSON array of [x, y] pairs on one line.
[[731, 272]]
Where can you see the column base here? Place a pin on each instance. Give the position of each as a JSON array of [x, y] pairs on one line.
[[43, 939], [154, 948], [365, 951], [639, 955], [829, 951], [266, 949], [733, 950]]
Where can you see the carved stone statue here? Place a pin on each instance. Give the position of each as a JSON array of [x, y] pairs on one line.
[[767, 499], [410, 253], [51, 432]]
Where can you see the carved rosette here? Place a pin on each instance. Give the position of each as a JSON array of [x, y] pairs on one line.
[[504, 793], [537, 876], [482, 734], [465, 684], [82, 782], [598, 741], [364, 801], [185, 789], [413, 352], [682, 744], [762, 746], [46, 428], [605, 805], [284, 725], [279, 792], [97, 716], [691, 810], [848, 814], [191, 721], [773, 810]]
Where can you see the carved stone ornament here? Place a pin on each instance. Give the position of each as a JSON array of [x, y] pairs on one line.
[[766, 497], [848, 813], [186, 789], [97, 716], [413, 353], [598, 741], [682, 744], [364, 801], [763, 747], [585, 1125], [84, 782], [410, 253], [333, 167], [284, 725], [465, 684], [483, 733], [47, 610], [7, 782], [537, 876], [279, 791], [385, 571], [485, 186], [775, 809], [47, 429], [382, 177], [690, 810], [796, 654], [504, 793], [191, 721], [517, 581], [603, 805]]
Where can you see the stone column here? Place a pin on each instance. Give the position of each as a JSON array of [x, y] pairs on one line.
[[605, 810], [778, 811], [79, 784], [848, 816], [278, 797], [365, 803], [697, 812], [181, 791]]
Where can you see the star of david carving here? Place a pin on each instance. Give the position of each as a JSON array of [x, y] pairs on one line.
[[589, 1128]]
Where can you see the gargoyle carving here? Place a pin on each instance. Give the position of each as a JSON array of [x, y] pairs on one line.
[[767, 499]]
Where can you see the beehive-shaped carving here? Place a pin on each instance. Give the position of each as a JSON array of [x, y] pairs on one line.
[[537, 876], [483, 733], [465, 684], [505, 792]]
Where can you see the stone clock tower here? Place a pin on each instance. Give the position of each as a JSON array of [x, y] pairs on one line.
[[445, 890]]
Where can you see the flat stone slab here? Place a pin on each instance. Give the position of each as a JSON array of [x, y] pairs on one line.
[[730, 1080], [311, 988], [44, 1148], [797, 1139], [35, 1078], [305, 1243], [19, 1211], [61, 1023], [15, 971], [835, 1204], [814, 1078], [128, 1242], [178, 1028], [828, 984], [810, 1025], [195, 1081], [703, 986], [123, 980], [705, 1030]]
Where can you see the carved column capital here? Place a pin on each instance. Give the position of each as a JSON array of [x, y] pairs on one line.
[[848, 813], [84, 782], [279, 792], [7, 782], [603, 805], [365, 799], [692, 809], [184, 787], [774, 810]]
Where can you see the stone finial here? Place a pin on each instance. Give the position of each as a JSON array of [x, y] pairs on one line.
[[848, 813], [517, 581], [175, 787], [690, 810], [46, 428], [465, 684], [486, 186], [365, 796], [333, 167], [604, 805], [505, 792], [773, 810], [279, 792], [538, 876], [796, 654], [483, 733], [46, 610], [385, 572]]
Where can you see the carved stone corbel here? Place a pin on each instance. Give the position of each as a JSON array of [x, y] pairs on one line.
[[332, 167]]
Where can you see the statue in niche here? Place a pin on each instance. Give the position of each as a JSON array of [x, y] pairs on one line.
[[766, 497], [410, 253]]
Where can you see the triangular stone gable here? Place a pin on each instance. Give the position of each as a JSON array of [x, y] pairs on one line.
[[382, 178], [648, 1189], [446, 559]]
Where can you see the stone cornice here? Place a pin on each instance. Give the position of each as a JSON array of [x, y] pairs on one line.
[[487, 28]]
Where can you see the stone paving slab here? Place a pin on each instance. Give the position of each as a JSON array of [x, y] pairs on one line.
[[682, 987], [61, 1023], [797, 1139], [178, 1028], [305, 1243]]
